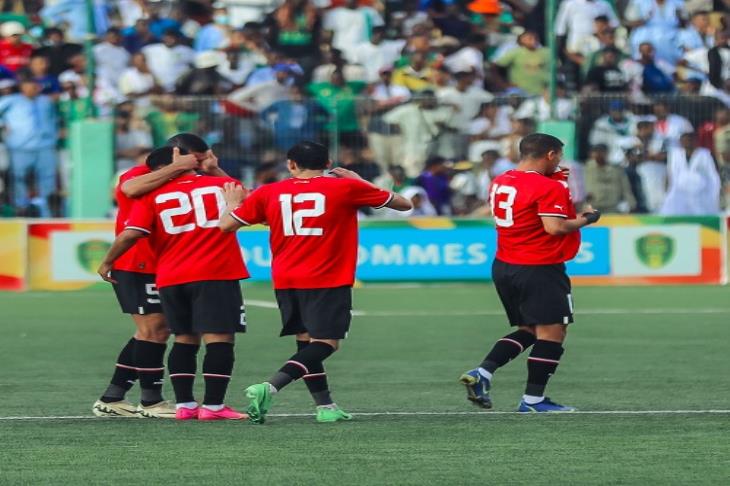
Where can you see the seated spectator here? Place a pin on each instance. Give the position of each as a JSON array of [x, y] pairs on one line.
[[76, 74], [526, 65], [575, 20], [130, 141], [294, 29], [204, 79], [607, 186], [14, 53], [420, 123], [376, 54], [607, 77], [260, 96], [384, 138], [719, 60], [698, 34], [521, 127], [612, 130], [451, 21], [213, 31], [538, 108], [593, 50], [243, 55], [422, 206], [38, 69], [469, 58], [435, 181], [169, 60], [139, 36], [694, 183], [351, 25], [706, 132], [669, 125], [464, 188], [266, 173], [111, 58], [275, 61], [339, 98], [416, 76], [294, 119], [137, 82], [31, 134], [492, 123], [359, 161], [394, 179], [653, 75], [55, 48], [333, 61]]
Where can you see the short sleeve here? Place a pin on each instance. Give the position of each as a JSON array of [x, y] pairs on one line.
[[142, 216], [253, 209], [365, 194], [554, 201]]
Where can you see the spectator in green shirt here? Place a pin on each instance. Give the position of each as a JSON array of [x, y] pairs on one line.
[[339, 98], [527, 65], [165, 121]]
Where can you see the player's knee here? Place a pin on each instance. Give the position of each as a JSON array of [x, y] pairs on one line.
[[187, 338], [553, 332], [335, 343]]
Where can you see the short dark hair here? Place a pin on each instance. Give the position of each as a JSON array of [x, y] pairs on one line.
[[161, 157], [434, 160], [536, 145], [309, 155], [188, 142]]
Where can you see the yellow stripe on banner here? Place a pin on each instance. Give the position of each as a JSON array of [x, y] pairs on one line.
[[710, 238], [432, 223], [619, 220]]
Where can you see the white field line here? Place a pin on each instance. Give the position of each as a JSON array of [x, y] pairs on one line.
[[412, 414]]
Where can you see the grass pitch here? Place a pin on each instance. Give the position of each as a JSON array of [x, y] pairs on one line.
[[641, 350]]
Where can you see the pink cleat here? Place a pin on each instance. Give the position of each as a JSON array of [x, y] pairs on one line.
[[226, 413], [184, 413]]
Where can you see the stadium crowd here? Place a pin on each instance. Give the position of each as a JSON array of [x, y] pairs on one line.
[[427, 97]]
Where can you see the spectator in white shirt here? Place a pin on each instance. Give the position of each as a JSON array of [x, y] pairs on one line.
[[383, 138], [137, 82], [538, 108], [351, 25], [111, 58], [377, 53], [469, 58], [574, 20], [669, 125], [169, 60], [656, 21]]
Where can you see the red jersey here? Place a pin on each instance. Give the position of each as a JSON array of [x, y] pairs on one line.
[[313, 226], [14, 56], [181, 218], [519, 200], [140, 257]]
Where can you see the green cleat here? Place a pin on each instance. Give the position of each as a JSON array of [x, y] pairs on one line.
[[260, 396], [331, 413]]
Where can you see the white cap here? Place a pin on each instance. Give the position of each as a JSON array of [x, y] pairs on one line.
[[11, 28], [208, 59]]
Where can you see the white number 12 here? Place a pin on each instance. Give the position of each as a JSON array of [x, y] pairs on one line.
[[293, 220]]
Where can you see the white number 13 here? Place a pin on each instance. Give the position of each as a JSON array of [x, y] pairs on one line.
[[293, 220], [505, 204]]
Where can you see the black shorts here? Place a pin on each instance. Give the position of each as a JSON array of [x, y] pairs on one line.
[[210, 306], [136, 292], [534, 294], [323, 313]]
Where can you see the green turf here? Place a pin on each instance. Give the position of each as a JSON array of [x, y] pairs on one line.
[[403, 355]]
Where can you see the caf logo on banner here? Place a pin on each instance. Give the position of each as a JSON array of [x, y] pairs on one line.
[[91, 253], [655, 250]]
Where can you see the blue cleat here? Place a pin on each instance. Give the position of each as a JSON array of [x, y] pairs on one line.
[[546, 405], [477, 388]]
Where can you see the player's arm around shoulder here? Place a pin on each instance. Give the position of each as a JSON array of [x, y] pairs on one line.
[[394, 201], [142, 184], [234, 194]]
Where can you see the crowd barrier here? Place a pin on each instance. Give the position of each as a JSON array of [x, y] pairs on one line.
[[622, 250]]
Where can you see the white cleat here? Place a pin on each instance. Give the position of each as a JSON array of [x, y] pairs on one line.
[[164, 409], [122, 408]]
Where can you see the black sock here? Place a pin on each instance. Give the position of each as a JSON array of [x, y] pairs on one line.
[[217, 369], [124, 374], [316, 380], [149, 359], [507, 349], [300, 364], [542, 363], [182, 363]]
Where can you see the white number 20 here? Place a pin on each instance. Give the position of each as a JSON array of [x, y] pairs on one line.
[[294, 220], [505, 204], [187, 203]]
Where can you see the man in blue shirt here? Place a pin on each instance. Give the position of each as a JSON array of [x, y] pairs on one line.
[[31, 132]]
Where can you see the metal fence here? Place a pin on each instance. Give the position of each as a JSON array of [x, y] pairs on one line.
[[363, 133]]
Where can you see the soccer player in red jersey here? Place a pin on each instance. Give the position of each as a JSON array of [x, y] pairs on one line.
[[313, 224], [537, 232], [198, 273], [134, 272]]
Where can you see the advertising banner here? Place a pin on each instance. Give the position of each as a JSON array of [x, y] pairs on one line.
[[13, 249]]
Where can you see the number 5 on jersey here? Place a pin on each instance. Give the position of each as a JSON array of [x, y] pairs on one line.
[[293, 220], [502, 198]]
